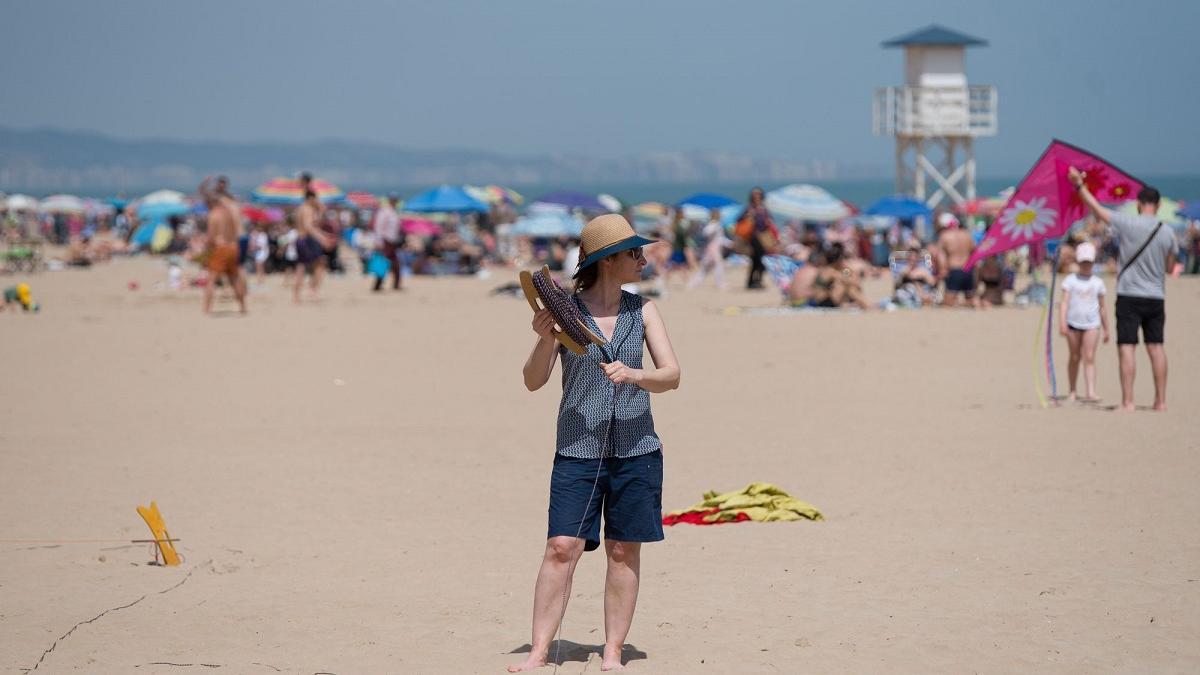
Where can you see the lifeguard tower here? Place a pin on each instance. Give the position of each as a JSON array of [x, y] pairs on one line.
[[936, 116]]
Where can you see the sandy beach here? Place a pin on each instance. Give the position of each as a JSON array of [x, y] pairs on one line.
[[360, 486]]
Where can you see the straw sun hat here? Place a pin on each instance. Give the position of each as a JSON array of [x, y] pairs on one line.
[[606, 235]]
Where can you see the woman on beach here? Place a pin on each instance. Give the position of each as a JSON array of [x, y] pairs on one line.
[[609, 458], [761, 227]]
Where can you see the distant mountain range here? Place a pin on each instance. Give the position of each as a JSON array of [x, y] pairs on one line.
[[50, 160]]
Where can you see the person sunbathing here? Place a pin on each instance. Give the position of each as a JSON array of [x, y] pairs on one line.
[[836, 284], [915, 283]]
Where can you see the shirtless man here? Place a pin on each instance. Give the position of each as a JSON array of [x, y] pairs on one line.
[[224, 225], [954, 246], [310, 247]]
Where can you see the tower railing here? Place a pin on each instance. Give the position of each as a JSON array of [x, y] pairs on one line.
[[935, 111]]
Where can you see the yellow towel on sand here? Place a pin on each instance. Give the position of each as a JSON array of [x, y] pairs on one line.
[[762, 502]]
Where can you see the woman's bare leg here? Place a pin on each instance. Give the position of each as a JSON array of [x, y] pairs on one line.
[[620, 597], [550, 594]]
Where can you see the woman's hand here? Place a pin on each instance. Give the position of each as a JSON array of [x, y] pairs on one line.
[[1062, 330], [543, 324], [619, 373]]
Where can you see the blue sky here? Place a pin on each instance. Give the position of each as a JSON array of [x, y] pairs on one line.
[[781, 79]]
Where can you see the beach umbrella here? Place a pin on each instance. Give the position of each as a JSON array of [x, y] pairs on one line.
[[610, 202], [261, 214], [421, 227], [494, 194], [286, 191], [163, 197], [900, 207], [1168, 210], [1191, 210], [20, 203], [806, 202], [445, 199], [155, 212], [707, 200], [547, 225], [363, 200], [567, 200], [62, 204]]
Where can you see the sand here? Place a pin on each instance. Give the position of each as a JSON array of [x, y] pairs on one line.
[[360, 487]]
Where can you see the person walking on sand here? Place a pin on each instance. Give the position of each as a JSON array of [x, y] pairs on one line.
[[1081, 316], [712, 260], [389, 239], [954, 246], [609, 459], [310, 246], [221, 242], [759, 227], [1147, 253]]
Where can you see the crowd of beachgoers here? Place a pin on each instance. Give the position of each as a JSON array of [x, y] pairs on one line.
[[816, 250]]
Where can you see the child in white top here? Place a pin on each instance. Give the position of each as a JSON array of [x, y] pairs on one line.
[[1082, 313]]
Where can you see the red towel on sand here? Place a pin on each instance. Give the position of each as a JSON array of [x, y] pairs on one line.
[[697, 518]]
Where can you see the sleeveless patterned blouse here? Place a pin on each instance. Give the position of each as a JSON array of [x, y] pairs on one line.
[[585, 415]]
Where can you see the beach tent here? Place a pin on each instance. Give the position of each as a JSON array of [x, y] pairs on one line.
[[62, 204], [20, 203], [900, 207], [806, 202], [566, 200], [707, 200], [445, 199], [547, 225], [284, 191]]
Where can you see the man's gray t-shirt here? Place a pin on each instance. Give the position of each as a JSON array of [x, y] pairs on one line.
[[1144, 278]]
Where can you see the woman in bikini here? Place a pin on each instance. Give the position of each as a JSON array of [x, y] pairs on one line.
[[609, 459]]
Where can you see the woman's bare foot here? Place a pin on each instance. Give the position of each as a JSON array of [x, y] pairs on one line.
[[1125, 407], [611, 660], [1071, 396], [528, 664], [1160, 407]]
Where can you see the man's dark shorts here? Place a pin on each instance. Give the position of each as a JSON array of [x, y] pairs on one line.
[[960, 281], [308, 251], [1133, 312], [629, 491]]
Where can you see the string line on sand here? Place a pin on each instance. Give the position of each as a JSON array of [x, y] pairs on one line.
[[612, 404], [113, 609], [1037, 345]]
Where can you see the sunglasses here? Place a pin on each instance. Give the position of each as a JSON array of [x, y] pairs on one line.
[[636, 254]]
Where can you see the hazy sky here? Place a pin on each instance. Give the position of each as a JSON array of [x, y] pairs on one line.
[[787, 78]]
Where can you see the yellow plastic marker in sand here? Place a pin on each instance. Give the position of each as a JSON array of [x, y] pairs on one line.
[[159, 529]]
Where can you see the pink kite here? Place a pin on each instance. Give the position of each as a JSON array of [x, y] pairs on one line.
[[1045, 204]]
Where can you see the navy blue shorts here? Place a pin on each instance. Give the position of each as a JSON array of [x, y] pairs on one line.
[[629, 491], [960, 281]]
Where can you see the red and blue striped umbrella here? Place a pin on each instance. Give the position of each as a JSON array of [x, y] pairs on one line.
[[288, 191]]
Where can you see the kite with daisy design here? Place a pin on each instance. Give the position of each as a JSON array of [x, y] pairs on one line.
[[1046, 204]]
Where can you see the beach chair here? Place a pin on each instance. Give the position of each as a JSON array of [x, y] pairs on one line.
[[907, 296]]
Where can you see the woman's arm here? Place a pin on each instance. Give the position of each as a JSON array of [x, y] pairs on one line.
[[664, 376], [1103, 319], [540, 363]]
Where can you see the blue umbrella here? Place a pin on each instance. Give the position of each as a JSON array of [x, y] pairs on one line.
[[572, 200], [444, 199], [1191, 211], [547, 225], [900, 207], [159, 211], [707, 200]]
